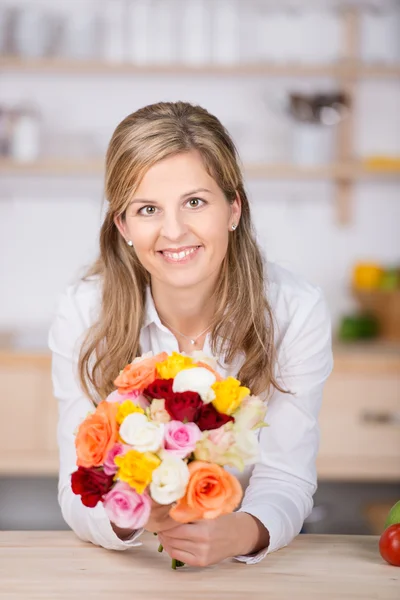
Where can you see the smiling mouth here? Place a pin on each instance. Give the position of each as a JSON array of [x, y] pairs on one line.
[[179, 256]]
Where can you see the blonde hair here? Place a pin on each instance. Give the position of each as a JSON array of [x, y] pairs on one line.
[[243, 317]]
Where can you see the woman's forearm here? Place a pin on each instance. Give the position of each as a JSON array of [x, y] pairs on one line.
[[251, 535], [123, 534]]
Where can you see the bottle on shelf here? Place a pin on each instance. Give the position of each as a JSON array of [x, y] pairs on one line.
[[25, 134]]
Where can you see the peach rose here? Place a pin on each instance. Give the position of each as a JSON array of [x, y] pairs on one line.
[[211, 492], [138, 375], [96, 435], [218, 377]]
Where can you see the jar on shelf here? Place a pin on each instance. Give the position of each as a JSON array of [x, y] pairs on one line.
[[25, 134], [315, 118]]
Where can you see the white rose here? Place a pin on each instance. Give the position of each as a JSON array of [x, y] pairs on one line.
[[140, 433], [169, 480], [246, 446], [197, 380], [251, 413]]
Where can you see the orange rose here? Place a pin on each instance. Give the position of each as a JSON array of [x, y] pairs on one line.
[[138, 375], [211, 492], [96, 435]]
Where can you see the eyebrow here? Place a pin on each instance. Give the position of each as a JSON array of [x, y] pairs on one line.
[[144, 201]]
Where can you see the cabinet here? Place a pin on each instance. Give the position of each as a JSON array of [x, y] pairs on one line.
[[360, 416], [359, 419], [28, 415]]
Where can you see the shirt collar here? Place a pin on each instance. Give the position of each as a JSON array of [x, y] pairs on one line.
[[151, 314]]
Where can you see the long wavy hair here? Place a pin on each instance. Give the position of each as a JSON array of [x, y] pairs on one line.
[[244, 321]]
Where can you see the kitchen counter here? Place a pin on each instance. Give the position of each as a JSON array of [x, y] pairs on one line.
[[36, 565]]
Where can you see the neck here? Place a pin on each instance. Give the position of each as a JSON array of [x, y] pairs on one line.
[[188, 310]]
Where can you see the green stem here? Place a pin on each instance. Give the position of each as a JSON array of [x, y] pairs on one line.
[[175, 563]]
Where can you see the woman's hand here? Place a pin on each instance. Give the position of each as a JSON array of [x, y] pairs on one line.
[[208, 542], [159, 518], [159, 521]]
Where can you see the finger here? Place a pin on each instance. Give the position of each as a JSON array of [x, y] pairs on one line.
[[160, 513], [185, 545], [167, 524], [187, 557], [184, 532], [161, 508]]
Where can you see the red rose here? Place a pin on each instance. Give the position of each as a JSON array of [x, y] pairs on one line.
[[91, 484], [160, 388], [183, 406], [210, 418]]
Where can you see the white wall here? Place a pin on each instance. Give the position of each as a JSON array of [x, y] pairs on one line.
[[49, 225]]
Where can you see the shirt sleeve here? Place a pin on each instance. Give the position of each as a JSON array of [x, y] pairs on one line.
[[65, 335], [283, 482]]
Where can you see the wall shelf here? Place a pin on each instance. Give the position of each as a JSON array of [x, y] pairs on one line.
[[346, 69], [347, 72], [341, 172]]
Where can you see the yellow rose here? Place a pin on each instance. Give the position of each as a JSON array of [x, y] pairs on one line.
[[169, 368], [228, 395], [136, 468], [127, 408]]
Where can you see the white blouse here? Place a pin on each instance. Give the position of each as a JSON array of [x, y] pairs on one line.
[[279, 489]]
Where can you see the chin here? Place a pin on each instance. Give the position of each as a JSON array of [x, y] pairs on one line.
[[181, 280]]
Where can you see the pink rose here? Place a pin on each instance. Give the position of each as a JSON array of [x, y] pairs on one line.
[[126, 508], [109, 466], [180, 439], [115, 396], [223, 438], [135, 396], [219, 446]]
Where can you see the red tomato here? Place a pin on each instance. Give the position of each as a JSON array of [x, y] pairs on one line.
[[389, 545]]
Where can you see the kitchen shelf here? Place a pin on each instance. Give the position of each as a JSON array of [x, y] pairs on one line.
[[347, 72], [380, 354], [30, 464], [12, 357], [52, 167], [338, 171], [345, 69]]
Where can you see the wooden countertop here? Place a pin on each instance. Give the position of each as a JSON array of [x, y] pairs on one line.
[[56, 565], [382, 356]]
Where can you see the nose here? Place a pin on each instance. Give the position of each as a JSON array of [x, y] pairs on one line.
[[173, 226]]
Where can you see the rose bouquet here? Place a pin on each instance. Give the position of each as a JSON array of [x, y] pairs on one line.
[[165, 435]]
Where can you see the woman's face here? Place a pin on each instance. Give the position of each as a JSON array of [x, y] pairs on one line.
[[179, 221]]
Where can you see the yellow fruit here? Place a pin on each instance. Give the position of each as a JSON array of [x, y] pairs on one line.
[[367, 276]]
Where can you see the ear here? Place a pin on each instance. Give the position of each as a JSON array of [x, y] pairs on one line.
[[236, 209], [120, 225]]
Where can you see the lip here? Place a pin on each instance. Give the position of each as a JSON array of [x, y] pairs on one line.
[[179, 249], [184, 260]]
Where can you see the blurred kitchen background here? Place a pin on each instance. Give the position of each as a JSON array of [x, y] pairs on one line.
[[310, 91]]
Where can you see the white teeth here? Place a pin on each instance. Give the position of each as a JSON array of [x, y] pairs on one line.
[[180, 255]]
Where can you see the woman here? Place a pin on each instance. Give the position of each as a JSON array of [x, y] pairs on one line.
[[179, 269]]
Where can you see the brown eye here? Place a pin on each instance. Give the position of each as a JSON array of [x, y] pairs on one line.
[[196, 200], [144, 208]]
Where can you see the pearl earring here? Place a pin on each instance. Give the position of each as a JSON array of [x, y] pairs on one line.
[[234, 226], [130, 243]]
